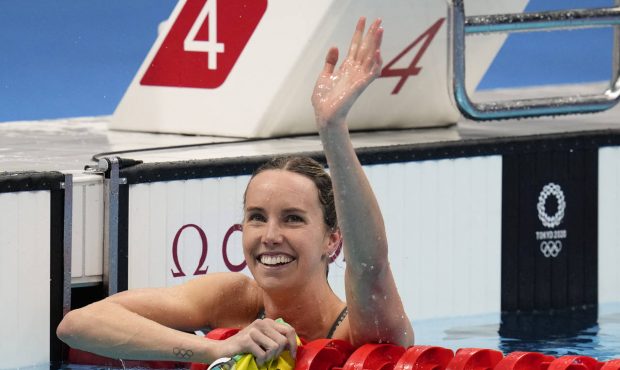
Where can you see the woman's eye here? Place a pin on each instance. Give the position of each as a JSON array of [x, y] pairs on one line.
[[256, 217], [294, 218]]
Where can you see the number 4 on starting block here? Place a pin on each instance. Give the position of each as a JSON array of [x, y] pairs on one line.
[[181, 59]]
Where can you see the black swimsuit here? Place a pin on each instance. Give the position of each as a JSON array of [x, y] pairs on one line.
[[339, 319]]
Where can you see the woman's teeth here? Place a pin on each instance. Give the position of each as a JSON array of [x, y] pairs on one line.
[[274, 260]]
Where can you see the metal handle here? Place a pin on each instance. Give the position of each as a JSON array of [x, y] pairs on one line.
[[460, 26]]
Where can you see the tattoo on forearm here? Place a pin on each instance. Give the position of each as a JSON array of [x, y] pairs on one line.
[[183, 353]]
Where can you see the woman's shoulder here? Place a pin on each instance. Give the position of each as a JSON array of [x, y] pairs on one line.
[[226, 278], [233, 299], [225, 285]]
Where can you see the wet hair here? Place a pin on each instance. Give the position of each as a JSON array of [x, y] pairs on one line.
[[313, 170]]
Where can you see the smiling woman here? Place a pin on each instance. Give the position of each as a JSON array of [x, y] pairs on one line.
[[289, 224], [290, 233]]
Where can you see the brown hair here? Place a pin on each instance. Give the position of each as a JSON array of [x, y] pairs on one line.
[[313, 170]]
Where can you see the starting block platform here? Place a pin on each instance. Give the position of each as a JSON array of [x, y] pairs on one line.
[[243, 68]]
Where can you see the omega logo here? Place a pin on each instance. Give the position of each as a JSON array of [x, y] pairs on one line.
[[202, 269]]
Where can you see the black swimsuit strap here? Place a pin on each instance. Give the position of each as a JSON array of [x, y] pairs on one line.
[[339, 319]]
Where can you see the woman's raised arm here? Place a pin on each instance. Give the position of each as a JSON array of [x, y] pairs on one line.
[[376, 312]]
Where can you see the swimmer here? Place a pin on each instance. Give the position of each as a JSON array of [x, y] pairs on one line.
[[290, 231]]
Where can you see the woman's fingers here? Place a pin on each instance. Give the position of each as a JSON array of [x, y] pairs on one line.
[[357, 38], [282, 335], [265, 339], [378, 63], [373, 58], [371, 42], [274, 338], [268, 348], [330, 61], [368, 43], [290, 337]]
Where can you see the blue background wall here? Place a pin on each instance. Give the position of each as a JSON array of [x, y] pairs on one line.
[[70, 58]]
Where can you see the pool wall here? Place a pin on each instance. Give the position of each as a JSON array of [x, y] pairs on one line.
[[32, 264], [608, 228]]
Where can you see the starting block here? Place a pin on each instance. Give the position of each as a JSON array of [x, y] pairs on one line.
[[246, 68]]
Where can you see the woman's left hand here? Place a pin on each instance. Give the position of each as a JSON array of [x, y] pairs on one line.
[[337, 89], [264, 338]]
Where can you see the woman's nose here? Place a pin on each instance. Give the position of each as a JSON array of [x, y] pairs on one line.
[[272, 234]]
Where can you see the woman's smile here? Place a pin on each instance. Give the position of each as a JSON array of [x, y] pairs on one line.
[[274, 260]]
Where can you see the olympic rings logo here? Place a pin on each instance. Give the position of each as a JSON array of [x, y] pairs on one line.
[[183, 353], [556, 191], [551, 248]]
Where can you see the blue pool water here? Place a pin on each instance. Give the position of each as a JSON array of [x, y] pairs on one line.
[[559, 334]]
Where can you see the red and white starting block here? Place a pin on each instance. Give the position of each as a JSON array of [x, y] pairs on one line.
[[246, 68]]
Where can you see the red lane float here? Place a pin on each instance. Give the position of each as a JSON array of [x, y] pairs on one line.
[[221, 334], [524, 361], [475, 359], [611, 365], [323, 354], [375, 357], [425, 358], [575, 363]]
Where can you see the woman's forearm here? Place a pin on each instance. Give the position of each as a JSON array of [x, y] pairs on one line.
[[109, 329], [358, 212], [368, 275]]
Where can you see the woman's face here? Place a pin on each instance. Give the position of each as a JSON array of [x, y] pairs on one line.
[[285, 237]]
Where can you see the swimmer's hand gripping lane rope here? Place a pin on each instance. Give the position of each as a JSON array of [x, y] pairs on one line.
[[248, 362], [460, 26]]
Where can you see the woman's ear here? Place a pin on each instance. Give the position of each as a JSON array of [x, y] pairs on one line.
[[334, 246]]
